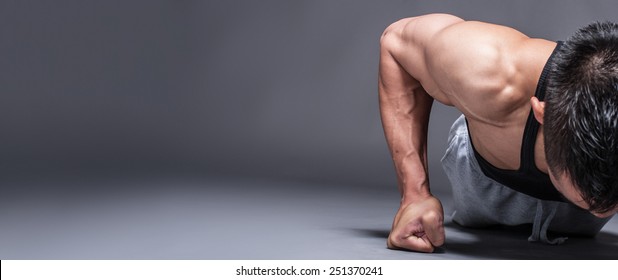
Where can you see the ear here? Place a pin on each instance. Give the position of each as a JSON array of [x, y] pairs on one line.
[[538, 107]]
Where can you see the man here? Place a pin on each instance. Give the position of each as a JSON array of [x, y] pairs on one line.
[[538, 140]]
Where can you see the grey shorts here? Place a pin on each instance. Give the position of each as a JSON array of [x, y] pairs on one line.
[[480, 201]]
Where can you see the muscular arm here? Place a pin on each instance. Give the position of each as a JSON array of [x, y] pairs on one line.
[[405, 106], [404, 103]]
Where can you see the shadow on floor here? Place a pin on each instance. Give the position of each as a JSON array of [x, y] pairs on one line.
[[511, 243]]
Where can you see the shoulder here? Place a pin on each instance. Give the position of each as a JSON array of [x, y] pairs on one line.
[[475, 60], [428, 31], [488, 71], [469, 50], [436, 48]]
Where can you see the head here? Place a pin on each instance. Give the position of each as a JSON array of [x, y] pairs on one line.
[[580, 118]]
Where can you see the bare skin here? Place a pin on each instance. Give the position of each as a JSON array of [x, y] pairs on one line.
[[488, 72]]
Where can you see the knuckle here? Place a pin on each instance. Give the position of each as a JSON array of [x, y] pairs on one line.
[[391, 242], [433, 217]]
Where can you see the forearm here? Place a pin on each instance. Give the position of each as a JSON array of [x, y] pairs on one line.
[[405, 105], [405, 118]]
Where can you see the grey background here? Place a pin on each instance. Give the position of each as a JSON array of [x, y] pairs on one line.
[[95, 93], [263, 88]]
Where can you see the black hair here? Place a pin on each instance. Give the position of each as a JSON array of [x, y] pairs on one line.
[[581, 114]]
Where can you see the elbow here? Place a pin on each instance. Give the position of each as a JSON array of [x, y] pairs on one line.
[[393, 32]]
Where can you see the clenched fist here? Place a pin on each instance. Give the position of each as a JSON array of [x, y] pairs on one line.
[[418, 226]]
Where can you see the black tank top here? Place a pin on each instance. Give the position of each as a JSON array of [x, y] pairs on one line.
[[528, 179]]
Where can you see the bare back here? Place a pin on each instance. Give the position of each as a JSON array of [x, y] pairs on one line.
[[489, 72]]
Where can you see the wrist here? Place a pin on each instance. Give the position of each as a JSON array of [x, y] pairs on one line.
[[411, 198]]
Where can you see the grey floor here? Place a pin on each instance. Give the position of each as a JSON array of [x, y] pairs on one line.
[[225, 218]]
